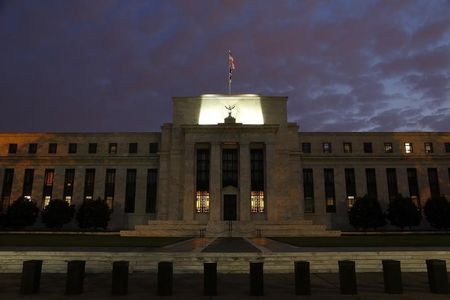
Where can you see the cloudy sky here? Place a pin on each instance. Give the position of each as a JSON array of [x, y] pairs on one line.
[[111, 65]]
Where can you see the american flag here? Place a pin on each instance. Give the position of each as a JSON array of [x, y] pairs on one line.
[[231, 64]]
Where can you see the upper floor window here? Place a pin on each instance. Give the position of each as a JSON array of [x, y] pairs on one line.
[[132, 147], [347, 147], [12, 148], [153, 148], [447, 147], [408, 147], [72, 148], [112, 148], [388, 148], [92, 148], [428, 148], [326, 147], [32, 148], [52, 147], [368, 148]]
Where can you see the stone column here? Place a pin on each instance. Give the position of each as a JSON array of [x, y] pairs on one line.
[[189, 182], [244, 181], [163, 174], [215, 183]]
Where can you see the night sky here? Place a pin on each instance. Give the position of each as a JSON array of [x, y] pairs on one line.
[[111, 65]]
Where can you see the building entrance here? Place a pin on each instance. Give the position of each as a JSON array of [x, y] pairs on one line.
[[229, 207]]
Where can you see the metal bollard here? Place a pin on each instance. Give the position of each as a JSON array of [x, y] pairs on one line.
[[120, 278], [347, 277], [165, 278], [31, 276], [437, 276], [210, 279], [256, 279], [392, 276], [302, 278], [75, 277]]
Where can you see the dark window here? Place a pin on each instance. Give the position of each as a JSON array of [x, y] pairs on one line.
[[413, 185], [428, 148], [152, 185], [110, 181], [92, 148], [130, 190], [368, 148], [47, 190], [391, 175], [306, 147], [203, 169], [72, 148], [132, 148], [153, 148], [12, 149], [32, 148], [433, 180], [229, 167], [257, 169], [28, 183], [69, 179], [388, 148], [447, 147], [6, 189], [89, 181], [371, 181], [347, 147], [52, 148], [112, 148], [330, 198], [350, 187], [326, 147], [308, 190]]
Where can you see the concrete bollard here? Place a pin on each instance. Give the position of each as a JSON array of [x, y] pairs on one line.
[[75, 277], [210, 279], [437, 276], [302, 278], [392, 276], [31, 276], [256, 279], [120, 278], [165, 278], [347, 277]]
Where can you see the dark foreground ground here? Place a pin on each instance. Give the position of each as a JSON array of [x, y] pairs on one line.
[[231, 286]]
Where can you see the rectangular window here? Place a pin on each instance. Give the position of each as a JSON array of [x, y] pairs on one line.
[[367, 147], [6, 189], [110, 182], [89, 181], [130, 191], [388, 148], [306, 147], [428, 148], [69, 179], [308, 190], [112, 148], [203, 157], [347, 147], [257, 180], [447, 147], [72, 148], [433, 180], [326, 147], [12, 149], [202, 202], [350, 187], [371, 181], [229, 167], [132, 148], [257, 201], [413, 185], [391, 175], [28, 183], [152, 185], [52, 148], [47, 190], [153, 148], [92, 148], [330, 198], [408, 148], [32, 148]]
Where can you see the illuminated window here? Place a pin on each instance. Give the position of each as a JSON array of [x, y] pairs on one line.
[[330, 198], [32, 148], [49, 178], [112, 148], [72, 148], [367, 147], [92, 148], [257, 201], [89, 181], [347, 147], [350, 201], [306, 147], [428, 148], [202, 202], [350, 186], [388, 148], [52, 148], [132, 148], [12, 149], [69, 179], [326, 147], [408, 148], [110, 181], [28, 183]]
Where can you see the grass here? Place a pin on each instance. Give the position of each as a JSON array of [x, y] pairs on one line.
[[71, 240], [422, 240]]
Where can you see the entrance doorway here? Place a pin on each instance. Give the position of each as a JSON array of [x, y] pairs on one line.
[[229, 207]]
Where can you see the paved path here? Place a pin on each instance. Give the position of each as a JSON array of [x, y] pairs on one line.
[[231, 244]]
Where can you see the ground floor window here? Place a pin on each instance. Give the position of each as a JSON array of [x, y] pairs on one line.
[[202, 202], [257, 201], [350, 201]]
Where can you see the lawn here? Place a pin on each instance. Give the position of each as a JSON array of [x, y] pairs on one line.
[[72, 240], [414, 240]]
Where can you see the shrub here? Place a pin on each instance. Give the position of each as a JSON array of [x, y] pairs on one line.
[[93, 214], [402, 212], [366, 213], [57, 213], [437, 212], [22, 212]]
